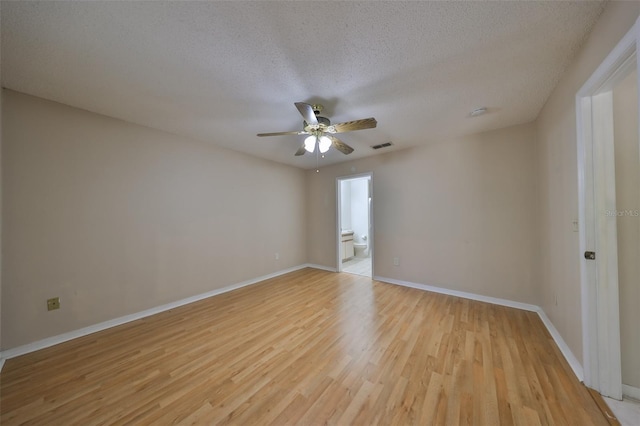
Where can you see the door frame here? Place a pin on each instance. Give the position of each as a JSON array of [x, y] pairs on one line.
[[339, 180], [597, 228]]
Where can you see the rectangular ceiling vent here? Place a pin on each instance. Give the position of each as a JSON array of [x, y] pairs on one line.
[[382, 145]]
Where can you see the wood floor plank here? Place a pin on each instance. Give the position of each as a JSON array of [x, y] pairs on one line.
[[309, 347]]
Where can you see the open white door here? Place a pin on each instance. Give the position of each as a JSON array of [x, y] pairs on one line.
[[598, 219]]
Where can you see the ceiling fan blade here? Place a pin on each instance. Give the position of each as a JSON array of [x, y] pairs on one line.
[[307, 113], [348, 126], [300, 151], [340, 146], [282, 133]]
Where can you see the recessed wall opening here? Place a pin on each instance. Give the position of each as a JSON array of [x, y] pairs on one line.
[[355, 230]]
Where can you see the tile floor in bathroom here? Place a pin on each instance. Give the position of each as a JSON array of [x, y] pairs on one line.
[[627, 411], [358, 266]]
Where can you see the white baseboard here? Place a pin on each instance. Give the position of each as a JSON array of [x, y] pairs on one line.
[[64, 337], [50, 341], [562, 345], [631, 391], [324, 268], [463, 294]]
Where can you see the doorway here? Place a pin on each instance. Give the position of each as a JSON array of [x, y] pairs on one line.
[[608, 162], [355, 224]]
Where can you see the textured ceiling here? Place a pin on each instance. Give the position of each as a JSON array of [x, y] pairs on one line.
[[223, 71]]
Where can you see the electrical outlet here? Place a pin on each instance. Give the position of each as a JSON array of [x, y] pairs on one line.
[[277, 256], [53, 304], [396, 261]]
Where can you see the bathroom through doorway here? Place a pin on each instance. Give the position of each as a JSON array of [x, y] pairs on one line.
[[355, 225]]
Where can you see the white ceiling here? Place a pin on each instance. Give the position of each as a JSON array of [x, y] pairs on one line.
[[223, 71]]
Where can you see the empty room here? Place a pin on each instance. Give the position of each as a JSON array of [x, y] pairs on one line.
[[308, 213]]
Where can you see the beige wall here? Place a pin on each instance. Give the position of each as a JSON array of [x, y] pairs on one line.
[[115, 218], [459, 214], [558, 177], [627, 160]]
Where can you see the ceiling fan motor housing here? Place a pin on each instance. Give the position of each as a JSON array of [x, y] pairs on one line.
[[323, 120], [323, 123]]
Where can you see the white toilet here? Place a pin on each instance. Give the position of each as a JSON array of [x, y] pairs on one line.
[[361, 248]]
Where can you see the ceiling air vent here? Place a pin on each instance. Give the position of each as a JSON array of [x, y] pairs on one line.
[[382, 145]]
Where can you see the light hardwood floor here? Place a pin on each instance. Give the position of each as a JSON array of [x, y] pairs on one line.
[[310, 347]]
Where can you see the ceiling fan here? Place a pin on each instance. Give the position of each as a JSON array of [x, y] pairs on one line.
[[321, 131]]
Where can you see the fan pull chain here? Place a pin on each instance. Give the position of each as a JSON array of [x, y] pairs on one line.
[[317, 160]]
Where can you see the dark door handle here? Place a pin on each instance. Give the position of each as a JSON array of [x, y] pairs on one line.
[[590, 255]]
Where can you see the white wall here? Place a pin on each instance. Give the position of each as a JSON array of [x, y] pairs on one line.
[[459, 214], [558, 177], [359, 208], [345, 202], [627, 164], [115, 218]]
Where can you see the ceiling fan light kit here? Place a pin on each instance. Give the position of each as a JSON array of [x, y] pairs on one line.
[[310, 144], [323, 142], [320, 131]]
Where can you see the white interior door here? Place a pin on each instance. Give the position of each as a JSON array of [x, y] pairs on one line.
[[626, 112], [598, 219]]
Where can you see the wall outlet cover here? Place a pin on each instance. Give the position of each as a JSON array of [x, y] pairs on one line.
[[53, 303]]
